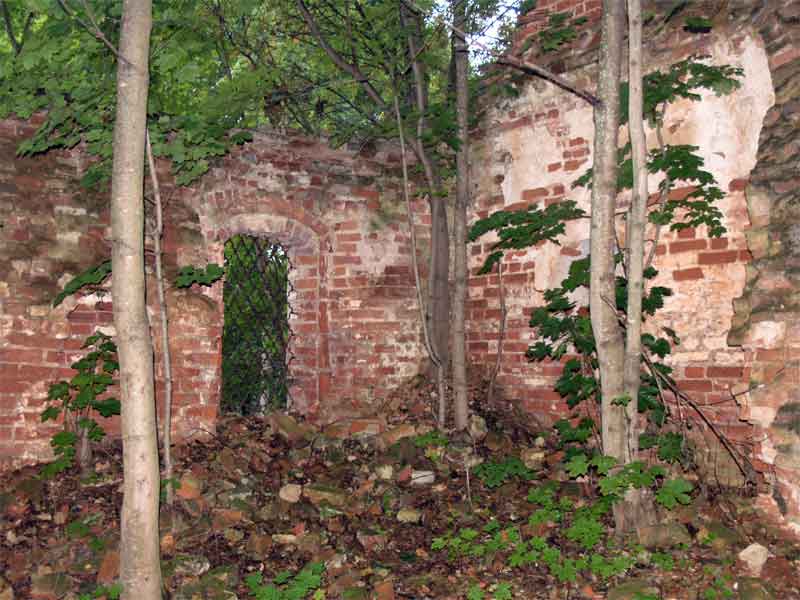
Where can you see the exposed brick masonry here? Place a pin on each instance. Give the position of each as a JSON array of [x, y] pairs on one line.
[[532, 148], [338, 214]]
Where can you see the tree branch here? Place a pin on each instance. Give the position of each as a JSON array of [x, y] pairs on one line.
[[518, 63], [17, 46], [337, 58]]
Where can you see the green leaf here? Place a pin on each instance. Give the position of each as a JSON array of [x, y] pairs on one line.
[[502, 591], [108, 407], [208, 275], [603, 463], [698, 24], [92, 276], [674, 492], [577, 466], [50, 413]]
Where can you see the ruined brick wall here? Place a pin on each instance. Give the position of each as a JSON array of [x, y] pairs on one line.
[[338, 213], [766, 324], [533, 147]]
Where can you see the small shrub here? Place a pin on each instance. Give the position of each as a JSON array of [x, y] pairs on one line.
[[495, 474], [78, 400]]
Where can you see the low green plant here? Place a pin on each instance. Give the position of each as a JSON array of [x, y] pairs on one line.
[[499, 591], [720, 588], [81, 529], [495, 473], [502, 591], [109, 592], [663, 561], [496, 541], [431, 438], [164, 484], [579, 433], [78, 400], [615, 479], [698, 24], [287, 585]]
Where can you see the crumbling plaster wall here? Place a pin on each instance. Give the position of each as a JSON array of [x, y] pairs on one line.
[[533, 147], [338, 213]]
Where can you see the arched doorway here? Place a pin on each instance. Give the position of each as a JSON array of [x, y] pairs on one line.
[[256, 330]]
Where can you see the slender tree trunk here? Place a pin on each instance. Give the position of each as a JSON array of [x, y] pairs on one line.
[[166, 432], [634, 510], [140, 565], [461, 60], [606, 328], [437, 315], [84, 452]]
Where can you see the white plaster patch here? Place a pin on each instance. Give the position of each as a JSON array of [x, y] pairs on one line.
[[763, 416], [766, 334]]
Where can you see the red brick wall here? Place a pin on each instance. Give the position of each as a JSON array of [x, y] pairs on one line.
[[532, 148], [339, 214]]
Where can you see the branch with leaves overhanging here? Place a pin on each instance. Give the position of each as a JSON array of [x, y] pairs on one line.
[[523, 65]]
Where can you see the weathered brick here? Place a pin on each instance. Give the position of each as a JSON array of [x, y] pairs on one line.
[[687, 246], [718, 258], [688, 274]]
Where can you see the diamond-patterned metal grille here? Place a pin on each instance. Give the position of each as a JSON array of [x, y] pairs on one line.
[[256, 333]]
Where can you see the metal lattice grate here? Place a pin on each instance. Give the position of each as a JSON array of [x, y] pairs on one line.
[[256, 333]]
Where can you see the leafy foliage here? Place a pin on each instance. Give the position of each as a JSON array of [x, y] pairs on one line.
[[189, 119], [208, 275], [286, 585], [495, 473], [92, 276], [510, 545], [218, 69], [523, 228], [79, 398], [684, 79], [698, 24], [431, 438], [678, 163], [109, 592], [615, 479], [560, 30]]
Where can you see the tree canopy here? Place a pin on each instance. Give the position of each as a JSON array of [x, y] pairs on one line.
[[221, 67]]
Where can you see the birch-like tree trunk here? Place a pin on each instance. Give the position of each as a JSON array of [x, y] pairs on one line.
[[461, 60], [606, 327], [634, 510], [140, 568]]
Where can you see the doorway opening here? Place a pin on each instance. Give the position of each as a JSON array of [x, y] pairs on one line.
[[256, 332]]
